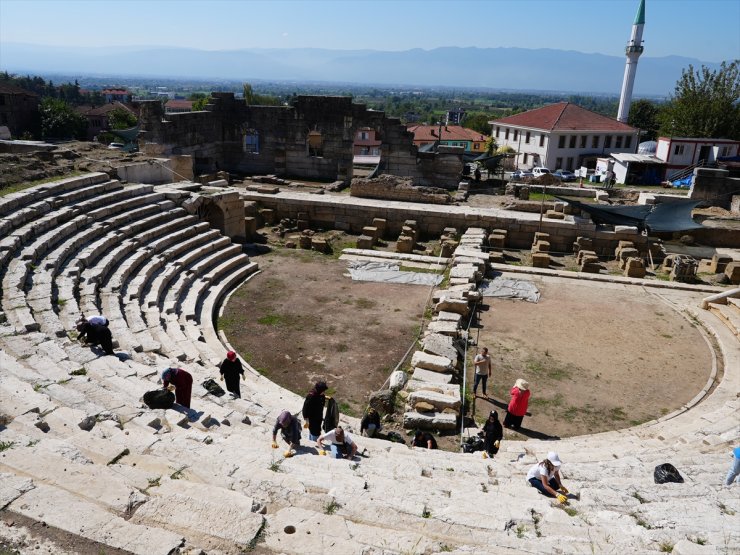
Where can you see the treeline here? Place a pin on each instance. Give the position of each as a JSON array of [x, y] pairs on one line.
[[68, 92]]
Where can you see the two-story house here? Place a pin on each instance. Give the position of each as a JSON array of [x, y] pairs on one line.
[[563, 136], [19, 110], [449, 135]]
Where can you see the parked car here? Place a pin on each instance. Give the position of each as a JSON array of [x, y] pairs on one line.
[[565, 175], [116, 146], [521, 174], [537, 172]]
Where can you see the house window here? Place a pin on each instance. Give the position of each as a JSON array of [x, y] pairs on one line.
[[569, 167], [618, 144], [628, 141], [678, 149], [542, 140], [364, 135], [252, 142], [608, 141], [498, 132], [476, 146], [584, 138], [506, 136], [526, 138], [516, 134], [724, 151], [314, 143], [524, 160], [595, 141], [561, 141], [572, 142], [558, 163]]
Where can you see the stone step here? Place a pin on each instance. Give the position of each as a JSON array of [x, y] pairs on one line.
[[729, 315]]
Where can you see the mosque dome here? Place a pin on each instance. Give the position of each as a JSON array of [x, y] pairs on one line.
[[647, 147]]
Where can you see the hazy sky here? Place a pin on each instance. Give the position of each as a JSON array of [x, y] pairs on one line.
[[705, 29]]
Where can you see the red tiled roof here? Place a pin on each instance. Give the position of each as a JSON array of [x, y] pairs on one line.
[[564, 116], [449, 133], [103, 110], [115, 91]]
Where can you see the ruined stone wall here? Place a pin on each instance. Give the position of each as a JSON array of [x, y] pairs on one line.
[[216, 140], [714, 186], [390, 187]]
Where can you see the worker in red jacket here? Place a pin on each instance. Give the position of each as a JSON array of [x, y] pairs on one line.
[[517, 408]]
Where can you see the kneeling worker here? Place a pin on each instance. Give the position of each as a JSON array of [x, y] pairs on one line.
[[340, 443]]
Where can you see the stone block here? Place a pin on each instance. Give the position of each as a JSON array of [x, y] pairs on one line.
[[405, 244], [435, 363], [450, 232], [732, 271], [540, 236], [448, 248], [591, 268], [589, 259], [305, 242], [429, 421], [541, 246], [457, 305], [302, 224], [371, 231], [425, 375], [634, 267], [497, 241], [443, 327], [381, 224], [541, 260], [496, 257], [719, 263], [365, 242], [626, 229], [438, 401], [554, 215], [319, 245], [559, 207], [441, 345], [268, 216], [250, 227]]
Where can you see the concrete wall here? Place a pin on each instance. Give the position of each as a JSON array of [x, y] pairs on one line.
[[216, 140], [714, 186]]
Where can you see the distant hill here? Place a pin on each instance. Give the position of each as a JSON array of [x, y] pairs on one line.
[[498, 68]]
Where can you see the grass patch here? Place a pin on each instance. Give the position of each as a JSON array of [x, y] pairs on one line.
[[520, 530], [331, 507], [31, 443], [641, 521], [177, 474], [78, 372], [118, 457], [346, 408], [259, 537], [536, 519], [271, 319], [666, 547], [365, 303], [23, 186], [426, 513], [275, 465], [725, 509], [639, 497], [153, 482], [5, 445], [570, 511]]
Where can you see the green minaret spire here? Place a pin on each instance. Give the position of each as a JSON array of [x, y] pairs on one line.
[[640, 17]]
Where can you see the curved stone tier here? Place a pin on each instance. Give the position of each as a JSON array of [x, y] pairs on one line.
[[80, 452]]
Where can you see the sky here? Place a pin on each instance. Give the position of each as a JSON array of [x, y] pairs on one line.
[[708, 30]]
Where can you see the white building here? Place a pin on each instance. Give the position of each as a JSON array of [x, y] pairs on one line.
[[680, 153], [563, 136]]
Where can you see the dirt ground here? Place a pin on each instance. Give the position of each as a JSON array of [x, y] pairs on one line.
[[597, 357], [301, 319]]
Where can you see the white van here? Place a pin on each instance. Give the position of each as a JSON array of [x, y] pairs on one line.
[[540, 171]]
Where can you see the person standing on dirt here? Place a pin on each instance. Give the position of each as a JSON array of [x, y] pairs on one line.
[[230, 369], [493, 434], [182, 382], [290, 429], [545, 477], [313, 409], [482, 362], [517, 408]]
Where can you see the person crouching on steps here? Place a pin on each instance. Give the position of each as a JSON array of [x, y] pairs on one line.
[[340, 443], [230, 370], [545, 477], [183, 383], [290, 428]]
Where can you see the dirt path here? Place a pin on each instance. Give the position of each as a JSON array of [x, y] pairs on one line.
[[301, 320], [597, 356]]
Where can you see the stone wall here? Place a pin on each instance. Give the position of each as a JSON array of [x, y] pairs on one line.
[[216, 140], [714, 186], [395, 188], [151, 171]]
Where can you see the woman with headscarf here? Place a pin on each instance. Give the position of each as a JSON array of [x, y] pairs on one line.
[[290, 429], [313, 409], [230, 370], [517, 408], [183, 383], [493, 434]]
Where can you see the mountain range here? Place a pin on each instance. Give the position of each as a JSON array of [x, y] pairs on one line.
[[495, 68]]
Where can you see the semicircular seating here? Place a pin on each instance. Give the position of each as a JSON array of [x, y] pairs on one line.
[[82, 453]]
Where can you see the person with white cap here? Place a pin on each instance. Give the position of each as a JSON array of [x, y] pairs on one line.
[[517, 408], [545, 477]]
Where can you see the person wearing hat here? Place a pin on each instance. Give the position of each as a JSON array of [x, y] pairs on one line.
[[734, 473], [313, 409], [182, 381], [517, 408], [290, 429], [230, 370], [545, 477], [493, 433]]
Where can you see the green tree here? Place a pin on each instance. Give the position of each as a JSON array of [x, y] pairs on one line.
[[644, 116], [121, 118], [60, 121], [199, 104], [705, 104], [491, 145], [479, 122]]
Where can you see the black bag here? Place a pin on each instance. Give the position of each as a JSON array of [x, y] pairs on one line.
[[159, 399], [395, 437], [213, 388], [666, 472], [473, 444], [331, 417]]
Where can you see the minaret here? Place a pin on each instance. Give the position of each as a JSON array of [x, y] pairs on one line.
[[634, 49]]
